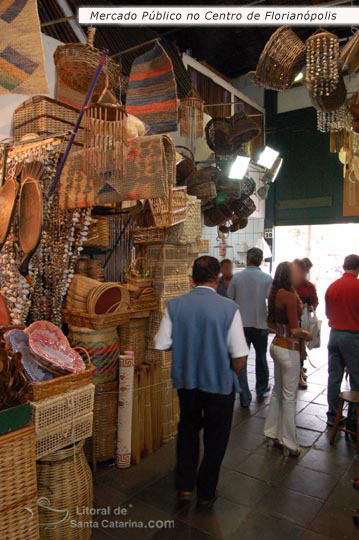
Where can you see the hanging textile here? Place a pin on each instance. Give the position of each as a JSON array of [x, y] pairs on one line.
[[21, 54], [152, 91], [125, 401]]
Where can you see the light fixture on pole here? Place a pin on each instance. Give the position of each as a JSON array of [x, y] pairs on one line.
[[239, 167]]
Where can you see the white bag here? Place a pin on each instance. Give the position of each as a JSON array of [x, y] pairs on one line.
[[312, 324]]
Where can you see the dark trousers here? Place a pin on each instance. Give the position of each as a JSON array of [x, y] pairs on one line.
[[343, 350], [213, 413], [259, 339]]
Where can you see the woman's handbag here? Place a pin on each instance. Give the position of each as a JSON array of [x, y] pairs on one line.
[[312, 324]]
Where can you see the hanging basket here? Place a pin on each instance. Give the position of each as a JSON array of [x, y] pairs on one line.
[[76, 64], [202, 184], [191, 116], [137, 275], [281, 60], [186, 166], [105, 144], [225, 136], [218, 215], [331, 101], [353, 109]]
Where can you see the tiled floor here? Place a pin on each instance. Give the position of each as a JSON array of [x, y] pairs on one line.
[[263, 495]]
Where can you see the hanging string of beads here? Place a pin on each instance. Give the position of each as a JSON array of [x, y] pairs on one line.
[[322, 73]]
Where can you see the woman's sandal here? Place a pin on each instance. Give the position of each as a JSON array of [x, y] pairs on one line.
[[292, 453], [273, 442]]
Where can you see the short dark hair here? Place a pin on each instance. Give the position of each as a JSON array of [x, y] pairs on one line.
[[205, 269], [301, 264], [255, 256], [224, 261], [351, 262], [308, 263]]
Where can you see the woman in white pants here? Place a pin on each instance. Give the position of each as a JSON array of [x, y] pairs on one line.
[[284, 312]]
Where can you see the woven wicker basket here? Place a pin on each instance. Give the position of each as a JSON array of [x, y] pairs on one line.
[[281, 60], [171, 287], [51, 412], [332, 102], [103, 347], [58, 385], [45, 116], [97, 322], [167, 252], [169, 270], [60, 436], [18, 493], [133, 338], [147, 236], [146, 303], [168, 211], [98, 233], [190, 230], [65, 485], [76, 64], [105, 422], [162, 358]]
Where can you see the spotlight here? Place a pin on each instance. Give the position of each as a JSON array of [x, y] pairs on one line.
[[299, 77], [268, 157], [239, 168]]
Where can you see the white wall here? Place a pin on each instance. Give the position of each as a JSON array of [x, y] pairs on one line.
[[251, 90], [10, 102]]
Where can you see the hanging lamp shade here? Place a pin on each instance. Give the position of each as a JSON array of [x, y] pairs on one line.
[[191, 116]]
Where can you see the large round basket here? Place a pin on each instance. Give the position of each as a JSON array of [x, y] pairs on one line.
[[281, 60], [76, 64], [64, 485], [103, 347]]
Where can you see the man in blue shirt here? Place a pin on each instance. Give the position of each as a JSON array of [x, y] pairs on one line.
[[209, 350], [250, 290]]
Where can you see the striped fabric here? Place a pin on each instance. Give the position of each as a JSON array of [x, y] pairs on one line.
[[152, 91], [21, 55]]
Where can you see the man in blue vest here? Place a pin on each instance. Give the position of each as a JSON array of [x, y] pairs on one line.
[[205, 332]]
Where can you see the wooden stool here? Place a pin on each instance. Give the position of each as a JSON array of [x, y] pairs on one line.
[[351, 398]]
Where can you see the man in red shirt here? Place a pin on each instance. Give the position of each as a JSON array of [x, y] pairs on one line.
[[342, 309]]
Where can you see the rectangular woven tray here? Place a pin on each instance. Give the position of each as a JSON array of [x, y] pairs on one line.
[[64, 435], [58, 385], [96, 322], [55, 411]]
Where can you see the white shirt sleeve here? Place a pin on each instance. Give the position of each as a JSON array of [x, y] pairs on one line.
[[236, 340], [163, 338]]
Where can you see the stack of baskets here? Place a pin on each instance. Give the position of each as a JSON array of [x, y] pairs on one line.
[[190, 230], [63, 419], [91, 304], [103, 347], [18, 494]]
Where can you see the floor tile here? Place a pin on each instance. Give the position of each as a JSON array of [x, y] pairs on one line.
[[321, 399], [234, 457], [261, 527], [306, 437], [313, 483], [317, 410], [334, 522], [290, 505], [307, 395], [242, 489], [180, 531], [220, 521], [309, 421], [162, 494], [310, 535], [341, 445], [331, 463], [268, 468]]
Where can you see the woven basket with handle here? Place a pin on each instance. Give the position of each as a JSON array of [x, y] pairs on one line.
[[281, 60]]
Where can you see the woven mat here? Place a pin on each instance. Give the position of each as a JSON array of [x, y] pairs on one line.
[[152, 91], [21, 54], [151, 168], [80, 191]]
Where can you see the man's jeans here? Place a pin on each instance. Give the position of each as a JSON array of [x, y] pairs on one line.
[[343, 350], [259, 339]]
